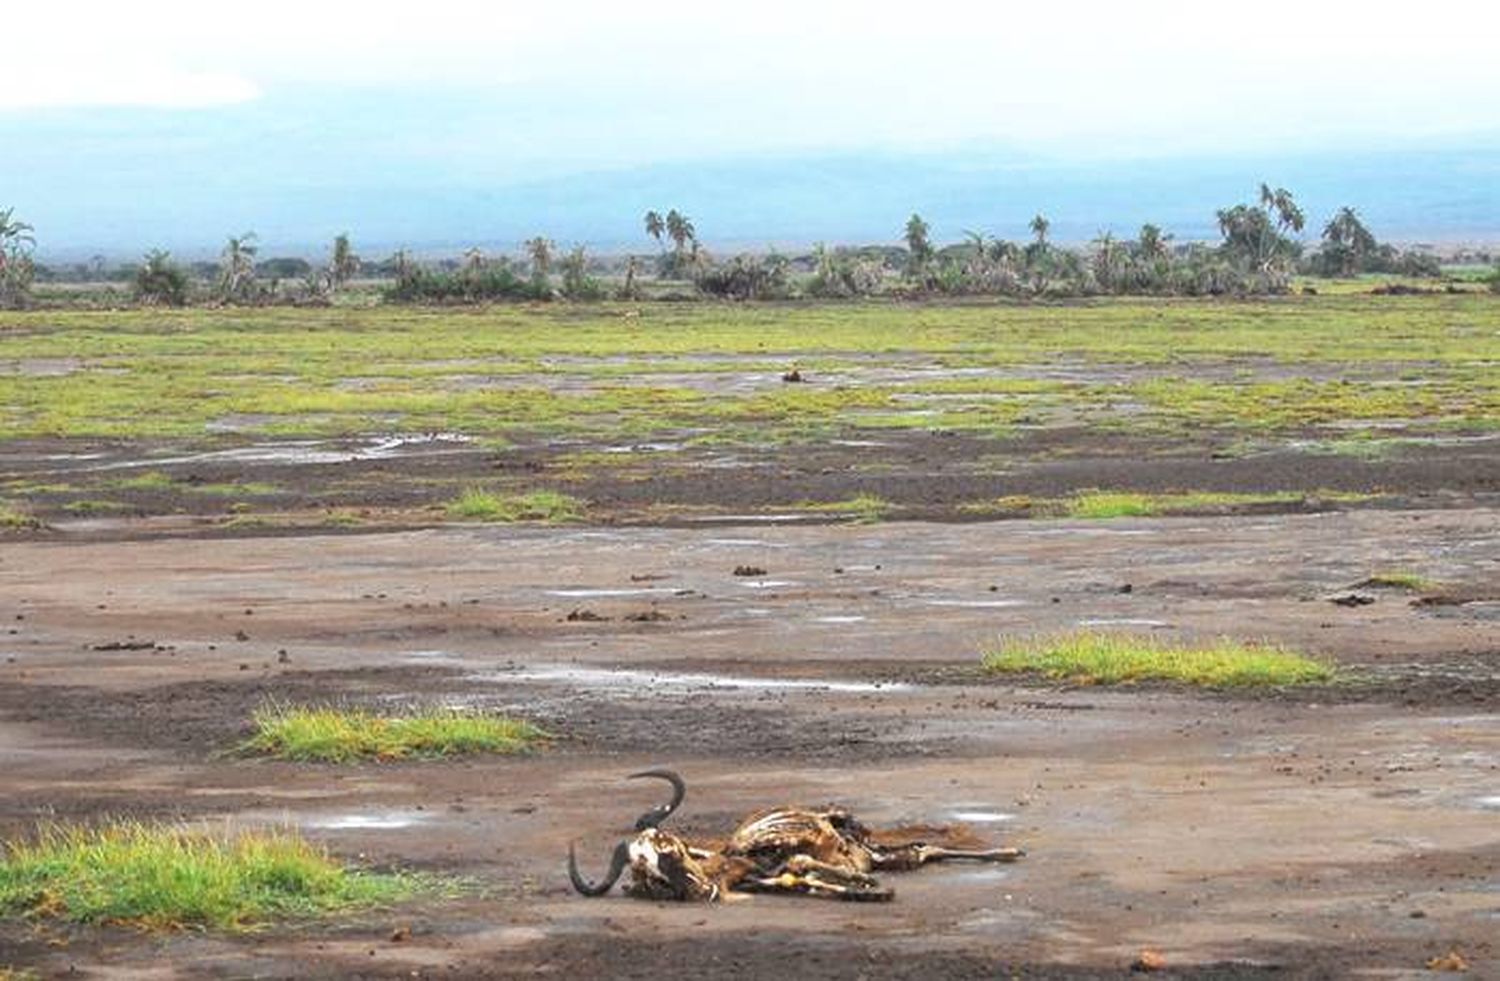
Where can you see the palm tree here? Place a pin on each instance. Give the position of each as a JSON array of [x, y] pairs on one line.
[[1107, 256], [402, 265], [1152, 243], [918, 245], [344, 264], [540, 250], [1347, 242], [160, 281], [1040, 226], [16, 268], [237, 268], [680, 230], [655, 227]]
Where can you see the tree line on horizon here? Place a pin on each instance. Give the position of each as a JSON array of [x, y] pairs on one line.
[[1258, 254]]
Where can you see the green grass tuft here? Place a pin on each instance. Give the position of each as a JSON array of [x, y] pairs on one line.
[[330, 735], [1113, 504], [1092, 657], [151, 480], [13, 519], [1400, 579], [1101, 504], [163, 877], [476, 504], [864, 509]]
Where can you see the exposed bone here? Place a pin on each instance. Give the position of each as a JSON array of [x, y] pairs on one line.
[[813, 851]]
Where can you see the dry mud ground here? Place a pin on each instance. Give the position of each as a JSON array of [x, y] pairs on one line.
[[1353, 830]]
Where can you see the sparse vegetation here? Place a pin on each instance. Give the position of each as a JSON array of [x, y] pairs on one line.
[[17, 269], [280, 372], [149, 480], [476, 504], [163, 877], [14, 519], [1118, 504], [1091, 657], [160, 282], [1400, 579], [862, 509], [331, 735], [238, 282]]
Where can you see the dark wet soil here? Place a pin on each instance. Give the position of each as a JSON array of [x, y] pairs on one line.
[[1199, 824], [922, 475]]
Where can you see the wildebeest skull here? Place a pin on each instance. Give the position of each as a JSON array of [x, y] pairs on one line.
[[816, 851]]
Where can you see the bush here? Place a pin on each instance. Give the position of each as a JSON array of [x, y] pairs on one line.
[[746, 278], [160, 282], [417, 284], [577, 284], [17, 270], [841, 273]]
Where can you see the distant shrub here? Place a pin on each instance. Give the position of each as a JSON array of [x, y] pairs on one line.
[[17, 270], [159, 281], [417, 284], [577, 284], [844, 273], [746, 278]]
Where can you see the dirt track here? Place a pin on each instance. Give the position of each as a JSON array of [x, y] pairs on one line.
[[1348, 830]]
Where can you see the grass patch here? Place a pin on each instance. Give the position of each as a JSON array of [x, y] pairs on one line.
[[151, 480], [1023, 505], [1400, 579], [162, 877], [1113, 504], [1102, 504], [330, 735], [1092, 657], [14, 519], [95, 506], [476, 504], [865, 509], [35, 487], [253, 488], [493, 373]]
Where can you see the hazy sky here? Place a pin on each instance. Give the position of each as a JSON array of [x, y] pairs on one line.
[[141, 98]]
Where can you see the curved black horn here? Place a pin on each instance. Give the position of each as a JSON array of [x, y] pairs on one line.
[[617, 863], [661, 812]]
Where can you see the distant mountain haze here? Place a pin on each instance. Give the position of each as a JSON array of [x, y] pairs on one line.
[[132, 179], [126, 126]]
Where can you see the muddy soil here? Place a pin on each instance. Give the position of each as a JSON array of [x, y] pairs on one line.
[[1348, 830], [240, 487]]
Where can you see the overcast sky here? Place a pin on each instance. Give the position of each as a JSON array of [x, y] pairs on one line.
[[501, 91]]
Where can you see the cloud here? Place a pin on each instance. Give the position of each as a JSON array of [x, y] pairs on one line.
[[126, 84], [678, 79]]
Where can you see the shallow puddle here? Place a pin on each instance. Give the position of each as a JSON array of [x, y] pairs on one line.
[[649, 683], [1121, 622], [979, 816], [752, 518], [305, 452], [367, 821], [586, 593], [425, 656]]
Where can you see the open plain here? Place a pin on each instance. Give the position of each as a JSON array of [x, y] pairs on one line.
[[783, 590]]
